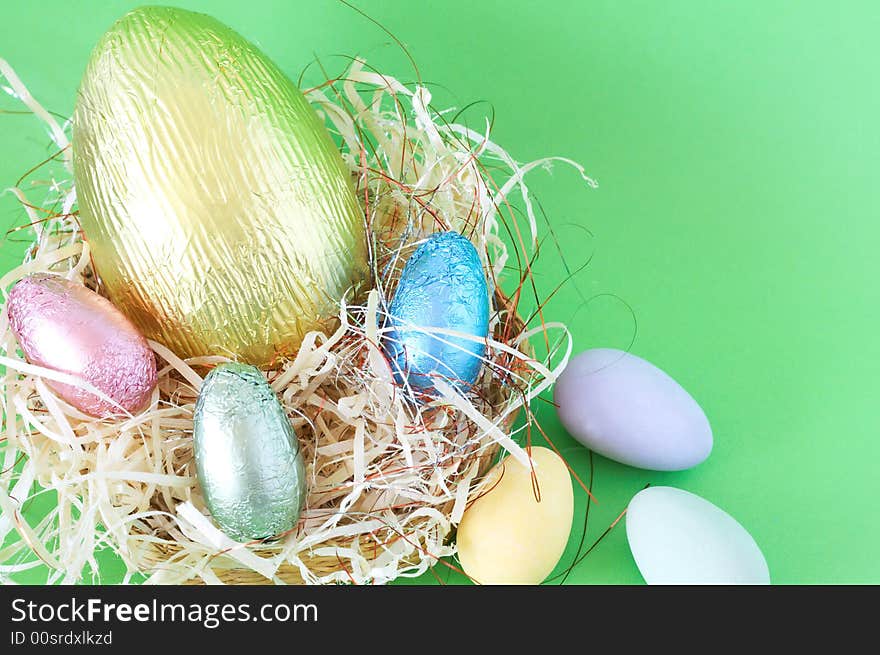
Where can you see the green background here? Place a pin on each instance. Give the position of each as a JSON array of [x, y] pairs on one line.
[[737, 151]]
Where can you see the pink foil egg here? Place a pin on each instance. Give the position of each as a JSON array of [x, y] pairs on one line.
[[68, 328]]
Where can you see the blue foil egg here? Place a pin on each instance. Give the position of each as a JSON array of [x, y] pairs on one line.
[[248, 459], [442, 286]]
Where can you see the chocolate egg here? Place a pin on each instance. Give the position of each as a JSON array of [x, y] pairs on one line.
[[68, 328], [507, 536], [676, 537], [441, 286], [629, 410], [220, 215], [248, 459]]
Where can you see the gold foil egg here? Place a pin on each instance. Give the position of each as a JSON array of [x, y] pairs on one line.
[[220, 215]]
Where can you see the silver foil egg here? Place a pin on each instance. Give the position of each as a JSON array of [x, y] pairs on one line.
[[442, 286], [248, 459]]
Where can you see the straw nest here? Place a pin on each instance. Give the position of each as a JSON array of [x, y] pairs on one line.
[[389, 477]]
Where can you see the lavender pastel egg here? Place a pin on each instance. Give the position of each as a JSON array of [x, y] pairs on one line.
[[628, 410], [442, 286], [676, 537], [68, 328]]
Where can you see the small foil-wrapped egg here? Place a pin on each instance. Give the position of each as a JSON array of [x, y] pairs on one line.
[[442, 286], [248, 459], [69, 328]]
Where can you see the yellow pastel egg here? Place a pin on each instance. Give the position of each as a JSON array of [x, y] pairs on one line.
[[507, 536]]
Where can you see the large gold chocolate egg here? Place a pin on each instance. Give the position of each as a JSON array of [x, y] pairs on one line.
[[220, 215]]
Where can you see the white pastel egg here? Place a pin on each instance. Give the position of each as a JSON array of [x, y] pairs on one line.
[[628, 410], [677, 537]]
